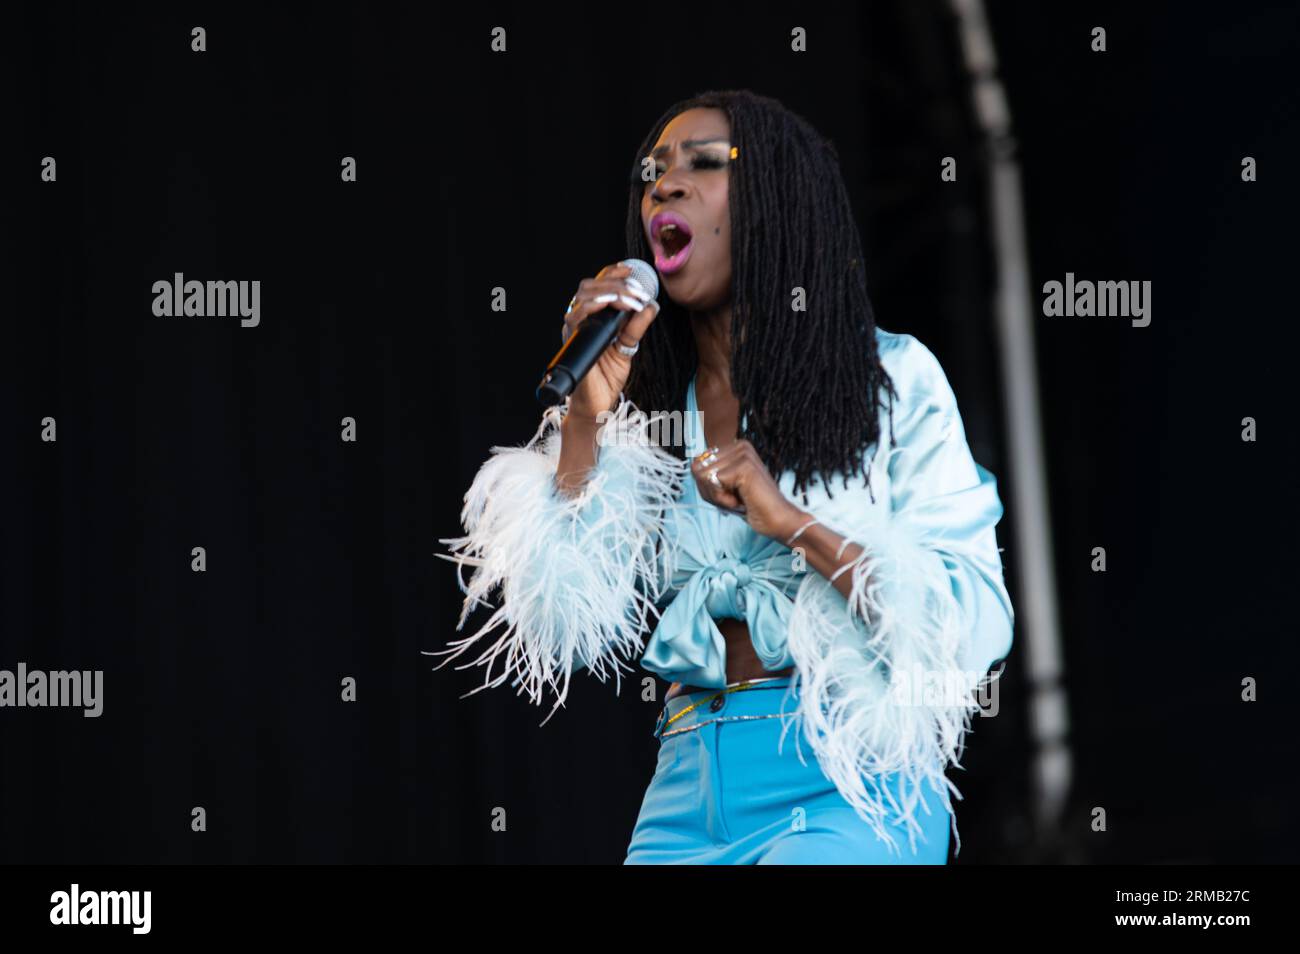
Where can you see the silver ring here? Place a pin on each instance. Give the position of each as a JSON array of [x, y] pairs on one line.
[[713, 479], [572, 301], [624, 349]]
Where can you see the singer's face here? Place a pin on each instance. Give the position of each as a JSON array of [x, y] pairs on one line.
[[692, 173]]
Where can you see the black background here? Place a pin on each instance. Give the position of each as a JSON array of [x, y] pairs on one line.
[[476, 170]]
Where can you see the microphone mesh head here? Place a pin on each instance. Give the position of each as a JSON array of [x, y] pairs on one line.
[[643, 274]]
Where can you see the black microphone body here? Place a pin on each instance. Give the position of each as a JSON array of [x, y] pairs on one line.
[[597, 332], [580, 354]]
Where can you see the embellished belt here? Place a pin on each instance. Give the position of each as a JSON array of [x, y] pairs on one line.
[[691, 710]]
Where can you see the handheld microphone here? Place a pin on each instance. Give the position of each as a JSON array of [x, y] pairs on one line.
[[590, 339]]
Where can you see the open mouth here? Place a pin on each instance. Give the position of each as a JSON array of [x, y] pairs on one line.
[[672, 240]]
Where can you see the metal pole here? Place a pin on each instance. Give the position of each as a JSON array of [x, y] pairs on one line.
[[1037, 611]]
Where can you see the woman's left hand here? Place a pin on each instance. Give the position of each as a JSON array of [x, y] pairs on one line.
[[744, 486]]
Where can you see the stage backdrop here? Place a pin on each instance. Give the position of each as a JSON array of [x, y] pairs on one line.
[[372, 177]]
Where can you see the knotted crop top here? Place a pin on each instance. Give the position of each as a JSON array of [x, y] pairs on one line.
[[725, 570]]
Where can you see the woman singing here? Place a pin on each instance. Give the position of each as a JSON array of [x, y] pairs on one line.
[[817, 565]]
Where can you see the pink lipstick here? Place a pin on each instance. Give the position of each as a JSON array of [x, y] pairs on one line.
[[672, 239]]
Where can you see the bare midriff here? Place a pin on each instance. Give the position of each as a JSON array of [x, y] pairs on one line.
[[742, 661]]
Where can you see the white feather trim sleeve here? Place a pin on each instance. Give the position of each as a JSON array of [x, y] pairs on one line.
[[577, 577], [887, 676]]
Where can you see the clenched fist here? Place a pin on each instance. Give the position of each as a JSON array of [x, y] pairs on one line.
[[735, 479]]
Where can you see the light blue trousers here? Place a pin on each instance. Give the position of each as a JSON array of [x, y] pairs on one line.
[[722, 793]]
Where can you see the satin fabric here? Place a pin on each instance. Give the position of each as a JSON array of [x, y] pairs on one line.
[[927, 479]]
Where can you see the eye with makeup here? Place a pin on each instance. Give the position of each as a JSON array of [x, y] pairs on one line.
[[701, 160]]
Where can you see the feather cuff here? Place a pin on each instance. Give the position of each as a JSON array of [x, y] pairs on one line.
[[881, 692], [578, 576]]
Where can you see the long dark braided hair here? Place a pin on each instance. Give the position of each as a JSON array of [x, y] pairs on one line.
[[809, 382]]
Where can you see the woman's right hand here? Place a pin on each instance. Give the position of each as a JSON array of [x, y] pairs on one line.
[[600, 388]]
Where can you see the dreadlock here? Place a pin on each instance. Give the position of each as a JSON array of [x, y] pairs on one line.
[[808, 382]]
